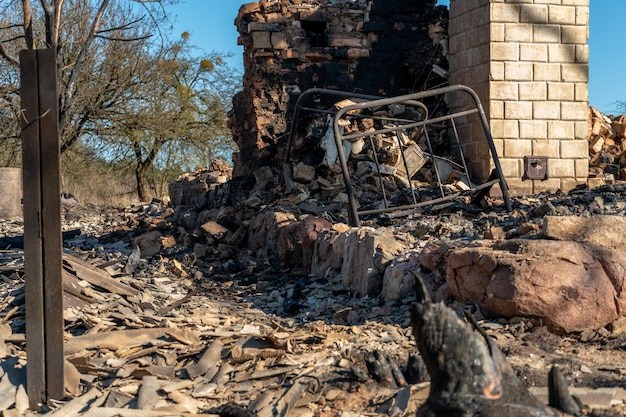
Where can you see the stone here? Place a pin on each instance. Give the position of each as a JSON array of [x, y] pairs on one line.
[[568, 286], [149, 243], [296, 241], [264, 229], [303, 173], [214, 229], [399, 278], [604, 230], [366, 254]]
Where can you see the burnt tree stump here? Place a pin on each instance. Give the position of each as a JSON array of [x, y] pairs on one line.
[[469, 373]]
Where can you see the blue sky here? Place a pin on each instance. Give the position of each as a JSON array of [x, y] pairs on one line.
[[210, 23]]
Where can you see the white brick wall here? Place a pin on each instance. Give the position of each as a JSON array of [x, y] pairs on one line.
[[532, 55]]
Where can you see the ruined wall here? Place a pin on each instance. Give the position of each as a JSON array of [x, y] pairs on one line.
[[381, 47], [528, 61]]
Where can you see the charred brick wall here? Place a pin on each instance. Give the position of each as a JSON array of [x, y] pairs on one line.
[[377, 47]]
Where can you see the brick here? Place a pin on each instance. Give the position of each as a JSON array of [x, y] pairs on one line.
[[575, 149], [261, 40], [559, 52], [475, 151], [504, 12], [505, 51], [502, 90], [518, 71], [595, 182], [548, 148], [519, 187], [559, 2], [575, 34], [547, 72], [575, 2], [511, 130], [546, 33], [496, 109], [560, 168], [510, 167], [353, 42], [560, 91], [533, 129], [558, 129], [549, 185], [582, 15], [568, 184], [518, 32], [533, 91], [480, 55], [496, 32], [496, 72], [533, 52], [537, 14], [499, 145], [582, 167], [517, 148], [581, 131], [546, 110], [562, 15], [279, 40], [582, 53], [574, 110], [480, 16], [355, 53], [518, 110]]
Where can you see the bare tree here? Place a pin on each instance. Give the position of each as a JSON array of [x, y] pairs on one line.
[[126, 89]]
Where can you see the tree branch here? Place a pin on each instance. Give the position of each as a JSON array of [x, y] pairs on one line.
[[28, 24], [8, 57], [73, 80]]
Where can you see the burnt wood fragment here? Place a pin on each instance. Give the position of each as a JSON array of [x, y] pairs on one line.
[[559, 396], [469, 373]]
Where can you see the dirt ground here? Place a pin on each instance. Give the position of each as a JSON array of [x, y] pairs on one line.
[[288, 343]]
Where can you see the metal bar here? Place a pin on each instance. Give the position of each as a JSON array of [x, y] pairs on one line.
[[353, 210], [434, 201], [33, 264], [380, 175], [492, 147], [51, 221], [406, 170], [329, 93], [410, 125]]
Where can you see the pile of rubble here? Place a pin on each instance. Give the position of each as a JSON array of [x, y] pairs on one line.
[[382, 48], [180, 310], [607, 148]]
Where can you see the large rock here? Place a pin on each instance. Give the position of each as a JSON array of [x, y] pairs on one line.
[[606, 231], [297, 240], [366, 254], [264, 229], [568, 286], [399, 277]]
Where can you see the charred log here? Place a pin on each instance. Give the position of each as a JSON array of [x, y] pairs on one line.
[[469, 373]]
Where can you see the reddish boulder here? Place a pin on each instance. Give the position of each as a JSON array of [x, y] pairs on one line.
[[296, 241], [568, 286]]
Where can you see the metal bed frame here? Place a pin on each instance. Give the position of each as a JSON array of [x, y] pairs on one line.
[[478, 192]]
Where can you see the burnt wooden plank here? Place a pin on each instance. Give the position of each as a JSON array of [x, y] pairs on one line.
[[51, 220], [33, 264], [91, 274]]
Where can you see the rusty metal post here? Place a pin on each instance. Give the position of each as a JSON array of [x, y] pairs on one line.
[[42, 226]]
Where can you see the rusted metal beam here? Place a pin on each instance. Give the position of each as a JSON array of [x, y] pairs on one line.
[[42, 226]]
